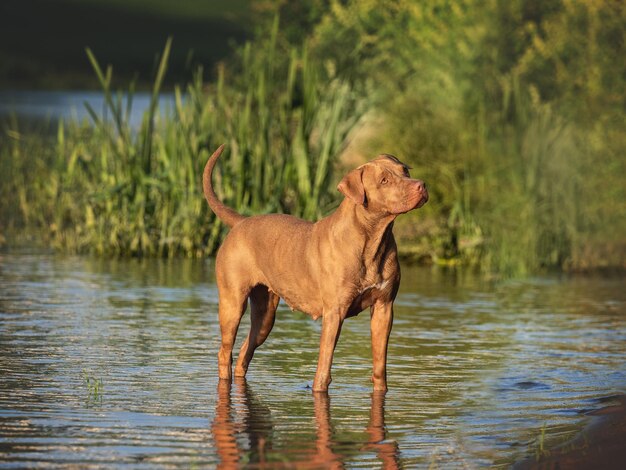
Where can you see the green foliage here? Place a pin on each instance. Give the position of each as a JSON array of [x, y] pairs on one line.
[[108, 188], [536, 168], [512, 111], [93, 387], [558, 89], [499, 107]]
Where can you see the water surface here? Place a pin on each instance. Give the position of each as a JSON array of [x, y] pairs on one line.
[[34, 108], [477, 371]]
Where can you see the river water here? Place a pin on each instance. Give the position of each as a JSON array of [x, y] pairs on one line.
[[43, 109], [114, 362]]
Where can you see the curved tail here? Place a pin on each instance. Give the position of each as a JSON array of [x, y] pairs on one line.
[[225, 213]]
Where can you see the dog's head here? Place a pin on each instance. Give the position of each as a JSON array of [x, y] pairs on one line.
[[384, 186]]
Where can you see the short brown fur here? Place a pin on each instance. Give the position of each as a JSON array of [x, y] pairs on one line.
[[334, 268]]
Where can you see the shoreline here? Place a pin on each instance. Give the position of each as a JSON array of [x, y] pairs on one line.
[[600, 444]]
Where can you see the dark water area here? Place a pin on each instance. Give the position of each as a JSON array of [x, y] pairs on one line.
[[108, 362], [41, 111]]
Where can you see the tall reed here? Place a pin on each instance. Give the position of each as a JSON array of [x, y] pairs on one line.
[[113, 189], [534, 177]]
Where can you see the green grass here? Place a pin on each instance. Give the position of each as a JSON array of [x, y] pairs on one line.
[[523, 155], [108, 189], [512, 112], [93, 387]]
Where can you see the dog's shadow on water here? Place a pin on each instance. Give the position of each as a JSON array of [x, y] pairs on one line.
[[243, 433]]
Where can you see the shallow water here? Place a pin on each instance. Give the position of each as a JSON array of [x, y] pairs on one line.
[[107, 362]]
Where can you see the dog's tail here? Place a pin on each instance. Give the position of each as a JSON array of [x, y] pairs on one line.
[[225, 213]]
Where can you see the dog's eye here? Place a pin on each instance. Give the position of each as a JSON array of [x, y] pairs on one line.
[[383, 181]]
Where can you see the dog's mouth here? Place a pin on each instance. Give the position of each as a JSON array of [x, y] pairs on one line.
[[419, 196], [422, 200], [414, 200]]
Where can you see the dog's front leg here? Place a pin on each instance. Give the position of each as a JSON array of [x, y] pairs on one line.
[[331, 327], [382, 318]]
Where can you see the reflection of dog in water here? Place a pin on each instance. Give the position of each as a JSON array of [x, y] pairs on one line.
[[243, 415], [255, 423]]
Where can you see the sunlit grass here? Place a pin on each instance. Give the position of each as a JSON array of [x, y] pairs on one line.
[[519, 182], [107, 188]]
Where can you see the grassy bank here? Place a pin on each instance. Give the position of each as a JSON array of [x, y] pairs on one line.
[[513, 112], [517, 131], [106, 188]]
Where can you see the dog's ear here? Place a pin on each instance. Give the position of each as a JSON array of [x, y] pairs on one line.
[[351, 186]]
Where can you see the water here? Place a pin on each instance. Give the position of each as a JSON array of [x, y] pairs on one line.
[[477, 372], [34, 107]]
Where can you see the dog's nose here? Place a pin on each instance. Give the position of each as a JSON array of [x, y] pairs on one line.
[[421, 186]]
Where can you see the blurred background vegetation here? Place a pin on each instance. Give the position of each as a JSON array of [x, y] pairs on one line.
[[512, 111]]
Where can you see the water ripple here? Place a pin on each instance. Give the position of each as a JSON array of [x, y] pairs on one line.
[[112, 362]]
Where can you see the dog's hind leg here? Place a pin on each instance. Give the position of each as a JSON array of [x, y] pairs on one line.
[[263, 304], [233, 303]]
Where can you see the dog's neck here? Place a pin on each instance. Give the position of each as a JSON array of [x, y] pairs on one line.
[[375, 230]]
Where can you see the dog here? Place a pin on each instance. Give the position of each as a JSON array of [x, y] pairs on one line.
[[333, 268]]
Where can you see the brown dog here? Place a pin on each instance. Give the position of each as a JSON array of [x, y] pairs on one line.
[[334, 268]]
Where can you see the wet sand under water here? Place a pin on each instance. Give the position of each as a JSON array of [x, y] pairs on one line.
[[600, 445]]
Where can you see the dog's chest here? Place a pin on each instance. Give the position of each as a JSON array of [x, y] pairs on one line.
[[351, 300], [377, 286], [367, 295]]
